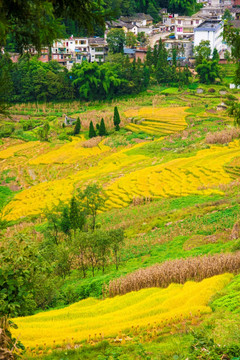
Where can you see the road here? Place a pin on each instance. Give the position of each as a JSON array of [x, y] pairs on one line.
[[153, 39]]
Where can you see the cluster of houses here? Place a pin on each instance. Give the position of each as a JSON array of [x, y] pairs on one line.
[[181, 32]]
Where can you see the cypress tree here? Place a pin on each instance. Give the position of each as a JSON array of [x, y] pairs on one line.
[[76, 217], [65, 221], [77, 127], [92, 132], [116, 119], [102, 128], [74, 214]]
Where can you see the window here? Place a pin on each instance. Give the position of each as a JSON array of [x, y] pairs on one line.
[[76, 42], [179, 29], [167, 45], [179, 21], [197, 21], [191, 22]]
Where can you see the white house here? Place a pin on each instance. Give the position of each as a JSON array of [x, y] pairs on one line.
[[210, 30], [184, 25]]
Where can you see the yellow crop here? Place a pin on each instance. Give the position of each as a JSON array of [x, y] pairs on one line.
[[12, 150], [194, 175], [157, 121], [33, 200], [178, 177], [69, 153], [110, 316]]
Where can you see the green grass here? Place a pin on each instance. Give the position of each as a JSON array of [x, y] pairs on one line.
[[5, 195], [229, 297]]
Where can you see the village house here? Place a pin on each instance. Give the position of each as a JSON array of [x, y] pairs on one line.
[[127, 27], [210, 30], [139, 19], [184, 25], [184, 47], [169, 21], [77, 49]]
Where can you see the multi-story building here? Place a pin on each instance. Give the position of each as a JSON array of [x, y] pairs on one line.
[[97, 49], [184, 25], [184, 47], [210, 30], [77, 49]]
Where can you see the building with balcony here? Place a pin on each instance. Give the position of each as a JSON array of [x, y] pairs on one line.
[[184, 26], [184, 47]]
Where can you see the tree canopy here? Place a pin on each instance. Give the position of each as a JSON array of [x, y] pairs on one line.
[[38, 22]]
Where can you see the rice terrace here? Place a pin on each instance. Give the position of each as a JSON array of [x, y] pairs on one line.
[[119, 180]]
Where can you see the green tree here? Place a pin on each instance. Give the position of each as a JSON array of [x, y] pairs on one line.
[[20, 263], [6, 87], [142, 38], [227, 15], [92, 199], [116, 39], [77, 127], [76, 215], [65, 223], [234, 111], [151, 10], [37, 23], [131, 40], [53, 227], [232, 36], [202, 52], [92, 132], [116, 243], [184, 7], [149, 57], [80, 246], [116, 119], [215, 55], [93, 81], [43, 132], [208, 71], [102, 128]]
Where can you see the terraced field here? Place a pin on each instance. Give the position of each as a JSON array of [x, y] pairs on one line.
[[233, 167], [200, 174], [51, 173], [70, 153], [157, 121], [146, 312]]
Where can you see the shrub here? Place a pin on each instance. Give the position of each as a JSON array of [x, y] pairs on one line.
[[64, 137], [211, 90], [231, 97]]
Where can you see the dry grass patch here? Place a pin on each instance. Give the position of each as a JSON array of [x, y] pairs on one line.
[[223, 137], [175, 271]]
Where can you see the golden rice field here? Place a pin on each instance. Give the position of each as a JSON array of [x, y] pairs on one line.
[[144, 311], [15, 149], [50, 174], [234, 167], [128, 176], [69, 153], [157, 121], [33, 200], [194, 175]]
